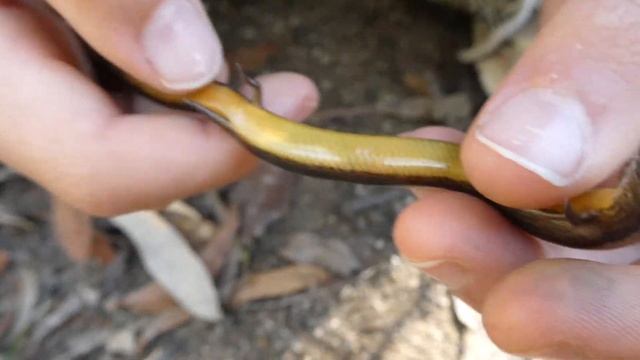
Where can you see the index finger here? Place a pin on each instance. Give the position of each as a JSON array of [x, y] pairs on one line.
[[64, 132]]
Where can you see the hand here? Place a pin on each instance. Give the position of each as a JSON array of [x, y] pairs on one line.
[[564, 120], [63, 131]]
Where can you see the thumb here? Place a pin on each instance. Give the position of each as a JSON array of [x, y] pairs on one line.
[[167, 43], [565, 119]]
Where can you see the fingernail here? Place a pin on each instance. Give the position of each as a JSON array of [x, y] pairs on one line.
[[543, 131], [450, 273], [181, 45]]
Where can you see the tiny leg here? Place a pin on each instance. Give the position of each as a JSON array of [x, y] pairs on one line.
[[256, 88], [239, 80], [576, 217]]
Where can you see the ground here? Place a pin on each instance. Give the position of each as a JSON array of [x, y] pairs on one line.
[[384, 66]]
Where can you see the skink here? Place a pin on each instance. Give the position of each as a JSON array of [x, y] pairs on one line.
[[600, 218]]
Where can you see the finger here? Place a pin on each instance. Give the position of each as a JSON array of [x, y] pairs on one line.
[[458, 239], [623, 255], [564, 120], [462, 242], [567, 309], [167, 43], [64, 132]]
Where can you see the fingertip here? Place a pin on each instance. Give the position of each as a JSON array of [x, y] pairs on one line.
[[504, 181], [181, 45], [447, 223], [442, 133], [424, 231], [169, 44], [475, 243], [290, 95]]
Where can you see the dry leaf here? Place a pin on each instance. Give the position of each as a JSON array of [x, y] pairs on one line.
[[264, 198], [332, 254], [153, 299], [5, 259], [70, 307], [215, 253], [172, 263], [167, 321], [102, 250], [279, 282], [9, 219], [84, 343], [122, 343], [73, 230], [253, 58], [190, 222], [417, 82], [149, 299], [27, 299]]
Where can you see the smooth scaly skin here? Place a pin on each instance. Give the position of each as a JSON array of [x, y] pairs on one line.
[[393, 160]]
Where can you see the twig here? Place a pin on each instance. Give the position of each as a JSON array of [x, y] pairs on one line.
[[11, 220], [27, 299], [502, 33], [411, 108], [71, 306]]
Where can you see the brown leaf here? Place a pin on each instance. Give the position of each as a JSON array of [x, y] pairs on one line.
[[253, 58], [149, 299], [167, 321], [197, 229], [417, 82], [5, 259], [73, 230], [102, 250], [215, 253], [264, 198], [279, 282]]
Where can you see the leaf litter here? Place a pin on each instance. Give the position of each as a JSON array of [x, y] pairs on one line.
[[167, 257]]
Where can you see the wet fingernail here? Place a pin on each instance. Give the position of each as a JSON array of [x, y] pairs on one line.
[[543, 131], [450, 273], [181, 45]]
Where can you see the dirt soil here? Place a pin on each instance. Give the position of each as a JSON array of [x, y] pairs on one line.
[[383, 66]]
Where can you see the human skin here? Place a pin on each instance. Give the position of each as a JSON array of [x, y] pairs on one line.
[[562, 122], [62, 130]]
